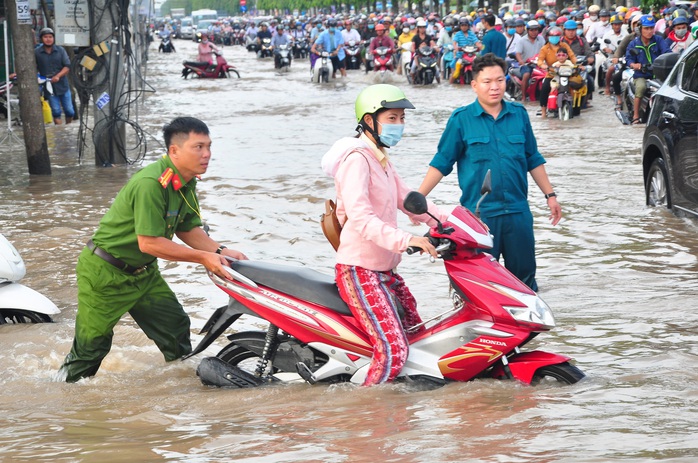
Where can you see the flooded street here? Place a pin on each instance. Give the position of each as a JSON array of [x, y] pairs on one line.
[[622, 280]]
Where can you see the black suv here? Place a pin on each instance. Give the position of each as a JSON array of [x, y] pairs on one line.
[[670, 144]]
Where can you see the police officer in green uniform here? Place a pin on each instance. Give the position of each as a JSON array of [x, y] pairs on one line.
[[117, 272]]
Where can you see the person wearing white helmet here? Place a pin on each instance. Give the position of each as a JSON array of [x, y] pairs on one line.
[[527, 48], [592, 18]]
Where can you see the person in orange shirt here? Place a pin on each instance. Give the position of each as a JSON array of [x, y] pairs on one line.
[[546, 58]]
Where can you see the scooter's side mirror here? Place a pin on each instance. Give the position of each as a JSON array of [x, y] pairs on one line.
[[607, 41], [484, 190], [486, 183], [416, 203]]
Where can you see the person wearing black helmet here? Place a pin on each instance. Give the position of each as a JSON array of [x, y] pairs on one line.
[[53, 63]]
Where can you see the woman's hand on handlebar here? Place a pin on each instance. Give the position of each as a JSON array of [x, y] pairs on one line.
[[424, 244]]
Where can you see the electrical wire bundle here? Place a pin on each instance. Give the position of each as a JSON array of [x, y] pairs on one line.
[[116, 95]]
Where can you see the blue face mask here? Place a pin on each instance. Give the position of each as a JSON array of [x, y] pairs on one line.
[[541, 22], [554, 40], [580, 32], [371, 26], [511, 31], [319, 26], [449, 28], [391, 134], [332, 29]]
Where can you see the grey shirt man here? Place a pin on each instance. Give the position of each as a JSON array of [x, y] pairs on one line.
[[51, 64]]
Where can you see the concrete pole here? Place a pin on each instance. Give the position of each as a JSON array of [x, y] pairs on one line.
[[30, 110], [109, 133]]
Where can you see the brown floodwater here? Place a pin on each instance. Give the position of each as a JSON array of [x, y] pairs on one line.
[[620, 277]]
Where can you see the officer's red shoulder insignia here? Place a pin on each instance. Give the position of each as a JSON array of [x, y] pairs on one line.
[[176, 182]]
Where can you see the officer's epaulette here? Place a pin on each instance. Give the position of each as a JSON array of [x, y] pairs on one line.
[[167, 177]]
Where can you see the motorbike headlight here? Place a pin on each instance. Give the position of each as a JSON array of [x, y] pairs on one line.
[[533, 309]]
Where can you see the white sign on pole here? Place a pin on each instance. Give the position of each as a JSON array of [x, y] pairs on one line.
[[24, 15], [72, 23]]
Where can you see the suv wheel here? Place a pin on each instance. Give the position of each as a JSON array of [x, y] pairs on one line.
[[657, 187]]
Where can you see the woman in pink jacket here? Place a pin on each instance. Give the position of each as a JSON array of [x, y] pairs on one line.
[[369, 194]]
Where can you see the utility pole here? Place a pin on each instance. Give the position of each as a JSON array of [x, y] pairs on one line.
[[109, 129], [30, 111]]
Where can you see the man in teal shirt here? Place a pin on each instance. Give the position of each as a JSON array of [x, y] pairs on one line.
[[117, 271], [492, 134]]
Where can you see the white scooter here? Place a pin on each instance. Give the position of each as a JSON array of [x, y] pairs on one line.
[[406, 59], [19, 304], [323, 68]]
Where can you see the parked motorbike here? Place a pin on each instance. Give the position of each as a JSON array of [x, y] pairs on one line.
[[535, 81], [18, 303], [301, 48], [166, 45], [204, 69], [323, 68], [282, 57], [9, 103], [312, 335], [382, 61], [265, 49], [353, 55], [426, 67]]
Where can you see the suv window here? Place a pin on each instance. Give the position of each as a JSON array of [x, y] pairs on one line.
[[689, 78]]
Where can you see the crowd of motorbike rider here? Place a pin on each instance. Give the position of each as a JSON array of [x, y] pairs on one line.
[[583, 34]]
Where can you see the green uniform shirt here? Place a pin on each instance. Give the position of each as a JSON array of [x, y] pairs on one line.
[[145, 207]]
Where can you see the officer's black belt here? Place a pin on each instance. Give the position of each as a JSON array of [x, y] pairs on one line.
[[118, 263]]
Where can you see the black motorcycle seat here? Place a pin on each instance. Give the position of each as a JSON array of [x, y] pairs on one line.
[[197, 64], [301, 282]]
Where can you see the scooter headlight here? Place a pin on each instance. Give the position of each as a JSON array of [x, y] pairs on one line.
[[533, 311]]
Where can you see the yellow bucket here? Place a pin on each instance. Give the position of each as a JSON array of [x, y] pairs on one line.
[[48, 117]]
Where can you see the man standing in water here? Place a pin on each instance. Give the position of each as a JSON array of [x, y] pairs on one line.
[[117, 271], [53, 63], [492, 134]]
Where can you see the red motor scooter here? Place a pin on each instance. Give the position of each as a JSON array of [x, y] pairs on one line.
[[383, 61], [203, 69], [535, 81], [313, 337], [466, 65]]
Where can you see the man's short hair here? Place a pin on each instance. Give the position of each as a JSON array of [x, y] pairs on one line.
[[183, 126], [487, 60], [489, 19]]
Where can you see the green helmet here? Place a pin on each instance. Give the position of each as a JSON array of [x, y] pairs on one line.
[[694, 32], [380, 96]]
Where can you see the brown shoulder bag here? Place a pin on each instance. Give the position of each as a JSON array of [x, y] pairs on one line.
[[330, 224]]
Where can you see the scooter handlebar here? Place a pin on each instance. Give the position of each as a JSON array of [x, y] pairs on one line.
[[437, 243]]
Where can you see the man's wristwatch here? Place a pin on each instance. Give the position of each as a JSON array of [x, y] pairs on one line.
[[220, 249], [550, 195]]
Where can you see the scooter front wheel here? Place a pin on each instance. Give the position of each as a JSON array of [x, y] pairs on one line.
[[563, 373], [14, 316]]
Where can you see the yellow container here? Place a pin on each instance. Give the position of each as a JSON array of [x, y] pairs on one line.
[[48, 117]]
